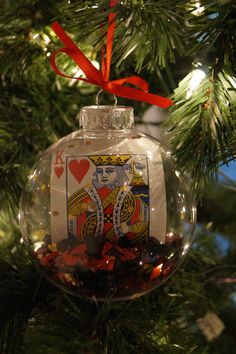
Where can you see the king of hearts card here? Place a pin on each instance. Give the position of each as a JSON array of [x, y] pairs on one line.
[[107, 197]]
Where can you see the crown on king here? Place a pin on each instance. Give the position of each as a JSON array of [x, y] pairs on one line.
[[110, 159]]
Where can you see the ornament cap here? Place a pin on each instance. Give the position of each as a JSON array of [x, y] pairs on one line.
[[106, 118]]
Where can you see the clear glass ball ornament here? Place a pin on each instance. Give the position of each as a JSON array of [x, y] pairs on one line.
[[105, 212]]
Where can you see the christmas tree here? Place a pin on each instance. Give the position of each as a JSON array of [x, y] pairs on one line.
[[187, 49]]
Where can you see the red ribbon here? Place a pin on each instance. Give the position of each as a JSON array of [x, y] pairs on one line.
[[101, 78]]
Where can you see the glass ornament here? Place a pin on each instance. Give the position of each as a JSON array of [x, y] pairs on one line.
[[105, 212]]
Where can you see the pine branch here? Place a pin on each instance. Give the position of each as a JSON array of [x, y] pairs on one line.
[[157, 24], [17, 288], [204, 126], [215, 27]]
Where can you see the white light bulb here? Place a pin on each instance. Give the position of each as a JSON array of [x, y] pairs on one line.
[[198, 9], [197, 76], [35, 36], [46, 39]]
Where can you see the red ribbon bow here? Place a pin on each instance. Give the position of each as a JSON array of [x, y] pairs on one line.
[[101, 78]]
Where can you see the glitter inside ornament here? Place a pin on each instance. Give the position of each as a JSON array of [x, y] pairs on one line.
[[105, 212]]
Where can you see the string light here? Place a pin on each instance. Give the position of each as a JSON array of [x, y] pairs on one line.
[[78, 72], [198, 75], [36, 35], [198, 9], [46, 39]]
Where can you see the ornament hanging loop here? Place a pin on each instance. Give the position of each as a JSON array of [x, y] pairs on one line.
[[97, 98]]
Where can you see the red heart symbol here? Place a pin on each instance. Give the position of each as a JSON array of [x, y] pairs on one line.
[[79, 168], [58, 171]]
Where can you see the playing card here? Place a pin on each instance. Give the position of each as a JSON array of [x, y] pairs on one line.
[[107, 195], [58, 196]]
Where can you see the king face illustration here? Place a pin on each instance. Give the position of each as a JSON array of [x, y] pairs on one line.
[[113, 203]]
